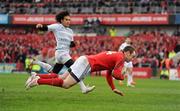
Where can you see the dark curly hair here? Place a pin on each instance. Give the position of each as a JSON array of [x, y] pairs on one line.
[[60, 16], [129, 48]]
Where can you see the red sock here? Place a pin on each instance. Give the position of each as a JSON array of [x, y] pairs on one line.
[[53, 82], [48, 76]]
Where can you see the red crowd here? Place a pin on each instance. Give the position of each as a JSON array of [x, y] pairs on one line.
[[151, 47]]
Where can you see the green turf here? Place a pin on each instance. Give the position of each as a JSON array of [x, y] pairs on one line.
[[149, 95]]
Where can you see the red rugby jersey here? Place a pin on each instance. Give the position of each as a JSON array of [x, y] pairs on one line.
[[108, 60]]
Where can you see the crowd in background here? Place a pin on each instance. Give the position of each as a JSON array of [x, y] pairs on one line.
[[89, 6], [152, 47]]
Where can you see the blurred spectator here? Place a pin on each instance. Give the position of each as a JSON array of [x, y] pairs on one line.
[[164, 68], [112, 32]]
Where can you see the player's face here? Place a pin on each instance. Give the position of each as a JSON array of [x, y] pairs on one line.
[[128, 41], [66, 21], [130, 56]]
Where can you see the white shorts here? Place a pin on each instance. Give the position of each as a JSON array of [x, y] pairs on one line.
[[62, 56], [128, 64], [80, 68]]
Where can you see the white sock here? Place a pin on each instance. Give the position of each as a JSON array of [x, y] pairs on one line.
[[82, 86], [129, 79], [44, 65], [131, 76]]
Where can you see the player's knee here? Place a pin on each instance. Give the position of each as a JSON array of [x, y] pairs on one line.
[[66, 86]]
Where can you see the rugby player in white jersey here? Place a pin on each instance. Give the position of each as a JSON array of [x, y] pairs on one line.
[[64, 41], [128, 65]]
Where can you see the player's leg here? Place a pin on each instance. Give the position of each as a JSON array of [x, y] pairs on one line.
[[61, 58], [77, 72], [42, 76], [129, 77], [129, 67], [68, 82], [130, 81], [57, 68], [49, 69], [83, 68], [83, 87], [73, 79], [67, 61], [44, 65], [58, 82]]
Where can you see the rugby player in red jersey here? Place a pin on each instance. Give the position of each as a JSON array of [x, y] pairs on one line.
[[84, 65]]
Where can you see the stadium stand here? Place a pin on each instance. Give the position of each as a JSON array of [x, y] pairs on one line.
[[89, 6]]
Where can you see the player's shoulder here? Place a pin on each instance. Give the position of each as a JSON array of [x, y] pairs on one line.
[[124, 44], [112, 52], [115, 55], [119, 54], [60, 25], [56, 25]]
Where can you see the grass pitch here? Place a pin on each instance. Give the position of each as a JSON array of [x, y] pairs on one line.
[[148, 95]]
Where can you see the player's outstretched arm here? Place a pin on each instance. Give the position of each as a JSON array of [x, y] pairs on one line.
[[111, 84], [118, 92], [109, 80]]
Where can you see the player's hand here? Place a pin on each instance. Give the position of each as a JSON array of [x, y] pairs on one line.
[[39, 26], [124, 71], [118, 92]]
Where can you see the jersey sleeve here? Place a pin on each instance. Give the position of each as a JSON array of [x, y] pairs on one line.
[[119, 48], [122, 47], [109, 79], [117, 73], [52, 27]]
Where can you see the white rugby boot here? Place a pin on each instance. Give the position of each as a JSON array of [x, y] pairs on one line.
[[32, 83], [30, 78], [88, 89]]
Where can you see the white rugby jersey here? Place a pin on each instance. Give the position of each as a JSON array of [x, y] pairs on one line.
[[123, 46], [63, 36]]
